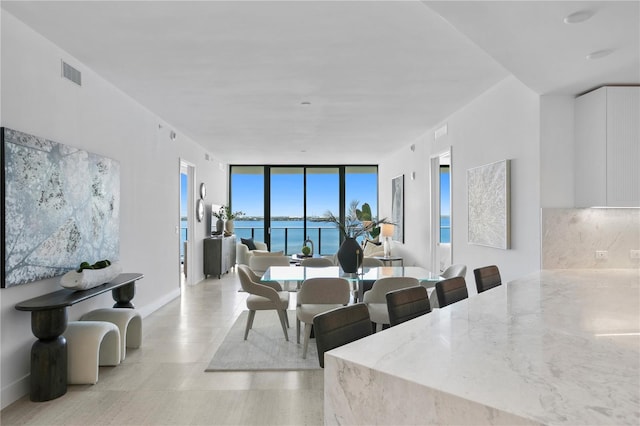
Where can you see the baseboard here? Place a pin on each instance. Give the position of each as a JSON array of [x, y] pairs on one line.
[[159, 303], [14, 392]]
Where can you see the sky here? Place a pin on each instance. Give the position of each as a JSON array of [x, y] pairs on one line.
[[445, 194], [287, 193]]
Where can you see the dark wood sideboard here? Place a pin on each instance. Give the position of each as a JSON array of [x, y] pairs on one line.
[[219, 255], [48, 322]]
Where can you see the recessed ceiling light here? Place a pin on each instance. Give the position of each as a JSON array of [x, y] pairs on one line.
[[578, 17], [599, 54]]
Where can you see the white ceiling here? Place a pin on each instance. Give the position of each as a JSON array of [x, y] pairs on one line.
[[234, 75]]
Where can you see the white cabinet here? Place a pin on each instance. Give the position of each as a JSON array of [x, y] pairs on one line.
[[607, 148]]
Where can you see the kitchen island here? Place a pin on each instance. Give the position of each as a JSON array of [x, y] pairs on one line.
[[555, 347]]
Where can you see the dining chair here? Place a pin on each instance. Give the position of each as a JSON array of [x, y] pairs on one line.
[[340, 326], [457, 270], [260, 264], [451, 290], [487, 278], [316, 262], [406, 304], [371, 262], [367, 262], [263, 296], [376, 298], [318, 295]]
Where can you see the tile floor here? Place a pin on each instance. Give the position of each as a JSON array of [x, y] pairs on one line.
[[164, 383]]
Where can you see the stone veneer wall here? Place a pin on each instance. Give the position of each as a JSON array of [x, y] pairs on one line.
[[570, 237]]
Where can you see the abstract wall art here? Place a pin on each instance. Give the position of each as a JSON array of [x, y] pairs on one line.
[[488, 189], [397, 207], [61, 206]]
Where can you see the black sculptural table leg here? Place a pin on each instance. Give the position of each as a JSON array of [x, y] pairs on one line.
[[124, 295], [48, 355]]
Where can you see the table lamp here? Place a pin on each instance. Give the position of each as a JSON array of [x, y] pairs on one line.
[[387, 232]]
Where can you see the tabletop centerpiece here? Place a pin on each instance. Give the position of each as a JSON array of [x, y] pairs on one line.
[[357, 222]]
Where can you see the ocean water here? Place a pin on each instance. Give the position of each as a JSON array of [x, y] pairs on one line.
[[325, 235], [289, 235]]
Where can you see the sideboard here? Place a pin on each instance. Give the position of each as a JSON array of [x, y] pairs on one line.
[[219, 255]]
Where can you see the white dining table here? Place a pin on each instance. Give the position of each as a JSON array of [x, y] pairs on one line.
[[300, 273]]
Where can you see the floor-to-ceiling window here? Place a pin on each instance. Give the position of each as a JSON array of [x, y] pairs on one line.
[[285, 205], [287, 209], [247, 195], [322, 195]]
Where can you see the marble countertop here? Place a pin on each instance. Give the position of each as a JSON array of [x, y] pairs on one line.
[[555, 347]]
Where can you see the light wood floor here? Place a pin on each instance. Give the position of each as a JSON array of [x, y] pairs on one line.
[[164, 383]]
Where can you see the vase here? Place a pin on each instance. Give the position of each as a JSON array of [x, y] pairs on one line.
[[228, 226], [219, 226], [350, 255]]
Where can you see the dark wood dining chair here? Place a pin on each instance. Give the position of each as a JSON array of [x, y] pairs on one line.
[[406, 304], [451, 291], [487, 278], [341, 326]]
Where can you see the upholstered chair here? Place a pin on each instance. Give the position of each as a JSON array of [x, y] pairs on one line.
[[457, 270], [263, 296], [376, 298], [318, 295], [316, 262], [406, 304], [245, 248], [487, 278], [340, 326], [451, 290]]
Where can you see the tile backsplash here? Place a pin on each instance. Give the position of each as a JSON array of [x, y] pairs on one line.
[[571, 237]]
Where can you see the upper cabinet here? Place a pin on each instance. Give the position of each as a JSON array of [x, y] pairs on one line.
[[608, 148]]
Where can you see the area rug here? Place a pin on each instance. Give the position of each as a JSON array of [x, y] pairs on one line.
[[265, 348]]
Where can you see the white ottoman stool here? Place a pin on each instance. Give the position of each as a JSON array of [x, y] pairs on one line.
[[128, 321], [90, 344]]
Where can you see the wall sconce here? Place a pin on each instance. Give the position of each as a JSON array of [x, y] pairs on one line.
[[386, 230]]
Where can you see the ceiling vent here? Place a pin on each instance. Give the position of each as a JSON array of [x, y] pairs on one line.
[[72, 74]]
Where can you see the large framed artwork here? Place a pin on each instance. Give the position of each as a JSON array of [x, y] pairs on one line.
[[489, 190], [397, 207], [61, 206]]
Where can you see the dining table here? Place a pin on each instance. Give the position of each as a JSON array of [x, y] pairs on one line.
[[298, 274]]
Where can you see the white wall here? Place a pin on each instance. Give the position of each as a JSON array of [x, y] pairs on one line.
[[99, 118], [502, 123], [415, 249], [556, 151]]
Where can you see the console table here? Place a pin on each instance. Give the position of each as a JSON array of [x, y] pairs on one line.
[[49, 321]]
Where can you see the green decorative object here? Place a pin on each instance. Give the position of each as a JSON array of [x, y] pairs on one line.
[[306, 250]]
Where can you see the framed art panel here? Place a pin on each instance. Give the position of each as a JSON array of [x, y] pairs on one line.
[[489, 190], [397, 207], [61, 207]]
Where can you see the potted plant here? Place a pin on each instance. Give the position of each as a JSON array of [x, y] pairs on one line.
[[357, 222], [228, 215]]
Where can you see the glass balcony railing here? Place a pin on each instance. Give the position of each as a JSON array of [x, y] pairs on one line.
[[291, 239]]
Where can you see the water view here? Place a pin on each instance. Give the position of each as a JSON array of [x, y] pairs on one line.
[[288, 235]]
